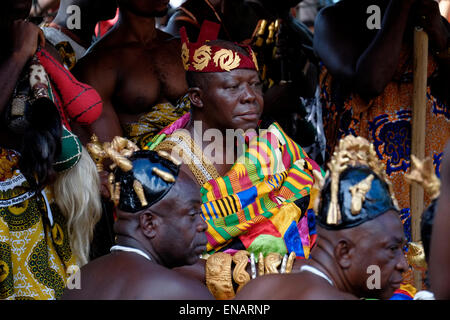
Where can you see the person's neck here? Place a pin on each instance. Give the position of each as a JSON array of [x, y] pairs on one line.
[[128, 241], [197, 126], [83, 35], [323, 260], [137, 28]]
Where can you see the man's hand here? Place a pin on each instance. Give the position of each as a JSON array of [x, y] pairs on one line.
[[26, 38], [427, 15]]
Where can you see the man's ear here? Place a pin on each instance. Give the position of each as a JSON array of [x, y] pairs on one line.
[[195, 95], [149, 224], [344, 252]]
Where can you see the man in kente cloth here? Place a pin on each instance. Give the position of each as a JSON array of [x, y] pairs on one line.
[[359, 251], [159, 227], [258, 200]]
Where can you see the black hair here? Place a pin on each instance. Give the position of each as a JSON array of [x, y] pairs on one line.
[[41, 144]]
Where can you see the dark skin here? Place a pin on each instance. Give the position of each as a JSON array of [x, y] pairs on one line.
[[115, 67], [440, 245], [344, 257], [239, 95], [367, 59], [171, 232], [24, 39], [91, 13]]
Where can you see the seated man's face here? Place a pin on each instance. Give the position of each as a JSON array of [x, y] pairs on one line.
[[234, 99], [378, 260], [181, 238]]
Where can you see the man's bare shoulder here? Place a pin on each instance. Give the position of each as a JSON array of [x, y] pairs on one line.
[[295, 286], [176, 286]]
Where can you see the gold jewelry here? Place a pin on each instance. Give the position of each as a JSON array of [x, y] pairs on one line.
[[359, 192], [271, 262], [240, 276], [139, 190], [218, 276], [290, 262]]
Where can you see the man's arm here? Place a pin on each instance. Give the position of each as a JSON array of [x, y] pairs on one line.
[[440, 238], [368, 68], [102, 76], [26, 37]]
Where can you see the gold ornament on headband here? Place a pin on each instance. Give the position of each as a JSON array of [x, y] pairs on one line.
[[226, 59], [167, 156], [423, 173], [240, 276], [352, 151], [185, 56], [202, 56], [255, 60], [139, 190], [359, 192], [119, 150], [167, 177]]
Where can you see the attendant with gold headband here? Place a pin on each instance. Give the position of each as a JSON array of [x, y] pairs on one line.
[[358, 228], [156, 230]]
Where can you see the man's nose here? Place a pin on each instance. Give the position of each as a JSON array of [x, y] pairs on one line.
[[202, 225], [402, 264], [249, 94]]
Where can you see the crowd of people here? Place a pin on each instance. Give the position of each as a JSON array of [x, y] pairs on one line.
[[221, 149]]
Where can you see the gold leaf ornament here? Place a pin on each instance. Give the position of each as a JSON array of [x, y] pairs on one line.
[[226, 59], [201, 58], [255, 60], [185, 56]]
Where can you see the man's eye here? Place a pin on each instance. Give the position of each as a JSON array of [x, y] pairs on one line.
[[233, 86]]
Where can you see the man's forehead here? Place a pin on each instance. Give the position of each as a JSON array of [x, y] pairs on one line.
[[386, 227]]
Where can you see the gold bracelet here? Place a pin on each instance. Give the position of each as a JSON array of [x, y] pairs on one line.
[[218, 276]]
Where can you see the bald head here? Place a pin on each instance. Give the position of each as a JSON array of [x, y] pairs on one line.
[[172, 228], [373, 248]]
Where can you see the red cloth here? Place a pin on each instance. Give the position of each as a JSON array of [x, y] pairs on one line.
[[201, 57], [103, 27], [75, 100]]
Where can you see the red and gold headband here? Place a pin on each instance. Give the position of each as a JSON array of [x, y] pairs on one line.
[[201, 57]]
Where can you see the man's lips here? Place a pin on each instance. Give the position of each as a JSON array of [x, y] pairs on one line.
[[396, 284], [250, 115]]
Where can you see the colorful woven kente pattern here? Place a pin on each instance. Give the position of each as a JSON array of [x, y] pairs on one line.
[[264, 199], [34, 243]]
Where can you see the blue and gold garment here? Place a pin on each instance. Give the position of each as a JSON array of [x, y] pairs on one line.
[[34, 243], [386, 121]]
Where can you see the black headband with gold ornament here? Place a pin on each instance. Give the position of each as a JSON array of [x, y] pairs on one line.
[[356, 188], [141, 177]]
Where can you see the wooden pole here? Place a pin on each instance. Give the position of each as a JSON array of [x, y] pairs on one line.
[[418, 131]]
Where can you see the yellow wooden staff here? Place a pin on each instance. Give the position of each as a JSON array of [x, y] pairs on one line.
[[418, 131]]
